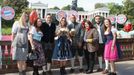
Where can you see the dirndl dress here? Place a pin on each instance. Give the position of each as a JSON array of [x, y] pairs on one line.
[[62, 49]]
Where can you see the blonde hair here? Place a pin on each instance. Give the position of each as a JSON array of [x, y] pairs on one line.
[[21, 23]]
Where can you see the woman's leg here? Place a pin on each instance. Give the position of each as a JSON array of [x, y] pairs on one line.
[[87, 59], [92, 55], [112, 65], [35, 70], [92, 62], [106, 67], [22, 67], [19, 66], [62, 67]]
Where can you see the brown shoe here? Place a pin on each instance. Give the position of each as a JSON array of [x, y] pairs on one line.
[[105, 72]]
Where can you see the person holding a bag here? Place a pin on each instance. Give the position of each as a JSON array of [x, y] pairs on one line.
[[37, 54], [20, 42], [91, 43]]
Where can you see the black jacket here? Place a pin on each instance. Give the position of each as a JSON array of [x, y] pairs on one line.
[[48, 32]]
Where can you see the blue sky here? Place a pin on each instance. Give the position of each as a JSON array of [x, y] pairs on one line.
[[88, 5]]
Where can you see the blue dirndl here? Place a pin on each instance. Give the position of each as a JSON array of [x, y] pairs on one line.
[[62, 49]]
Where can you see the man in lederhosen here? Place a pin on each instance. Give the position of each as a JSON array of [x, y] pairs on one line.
[[48, 28]]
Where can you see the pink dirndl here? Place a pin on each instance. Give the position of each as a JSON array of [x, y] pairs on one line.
[[111, 55]]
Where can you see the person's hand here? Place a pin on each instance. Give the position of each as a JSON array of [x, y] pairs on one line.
[[89, 40], [112, 48], [79, 44], [84, 47], [33, 48]]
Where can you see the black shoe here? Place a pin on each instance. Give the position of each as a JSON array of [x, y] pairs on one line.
[[20, 73], [49, 72], [81, 70], [86, 70], [44, 73], [111, 73], [99, 70], [71, 70], [89, 71], [35, 73]]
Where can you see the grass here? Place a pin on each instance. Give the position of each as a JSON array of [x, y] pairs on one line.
[[6, 31]]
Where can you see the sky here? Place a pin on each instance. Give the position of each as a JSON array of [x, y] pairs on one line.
[[88, 5]]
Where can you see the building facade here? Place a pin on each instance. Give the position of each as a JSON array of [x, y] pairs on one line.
[[42, 10]]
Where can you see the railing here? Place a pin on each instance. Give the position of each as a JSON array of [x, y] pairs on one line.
[[127, 46], [7, 64]]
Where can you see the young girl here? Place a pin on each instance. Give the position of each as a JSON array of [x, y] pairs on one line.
[[110, 52]]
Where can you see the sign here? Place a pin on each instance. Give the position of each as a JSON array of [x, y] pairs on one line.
[[72, 12], [0, 23], [7, 13], [0, 39], [121, 19], [60, 14], [112, 18]]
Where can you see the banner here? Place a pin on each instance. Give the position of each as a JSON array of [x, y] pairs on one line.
[[0, 23], [0, 39]]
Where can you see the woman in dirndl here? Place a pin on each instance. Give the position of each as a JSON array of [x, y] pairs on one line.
[[20, 42], [111, 50], [62, 51], [35, 36]]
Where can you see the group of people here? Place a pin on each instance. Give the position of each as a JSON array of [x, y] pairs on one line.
[[64, 42]]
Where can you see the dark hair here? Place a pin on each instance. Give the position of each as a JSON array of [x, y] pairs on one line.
[[49, 14], [97, 16], [35, 24], [65, 21], [109, 23], [90, 24]]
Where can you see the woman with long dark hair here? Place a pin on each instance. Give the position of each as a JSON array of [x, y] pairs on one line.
[[35, 36], [110, 52]]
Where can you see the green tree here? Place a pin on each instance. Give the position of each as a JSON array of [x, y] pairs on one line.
[[18, 5], [66, 7], [128, 9], [80, 9], [99, 5], [115, 8], [55, 8]]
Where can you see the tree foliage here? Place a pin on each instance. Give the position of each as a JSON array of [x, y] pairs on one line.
[[115, 8], [68, 8], [55, 8], [99, 5], [19, 6]]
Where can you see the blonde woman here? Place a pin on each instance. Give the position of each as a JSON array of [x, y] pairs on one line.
[[62, 51], [20, 42]]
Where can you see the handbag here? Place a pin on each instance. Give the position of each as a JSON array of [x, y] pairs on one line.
[[32, 56]]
